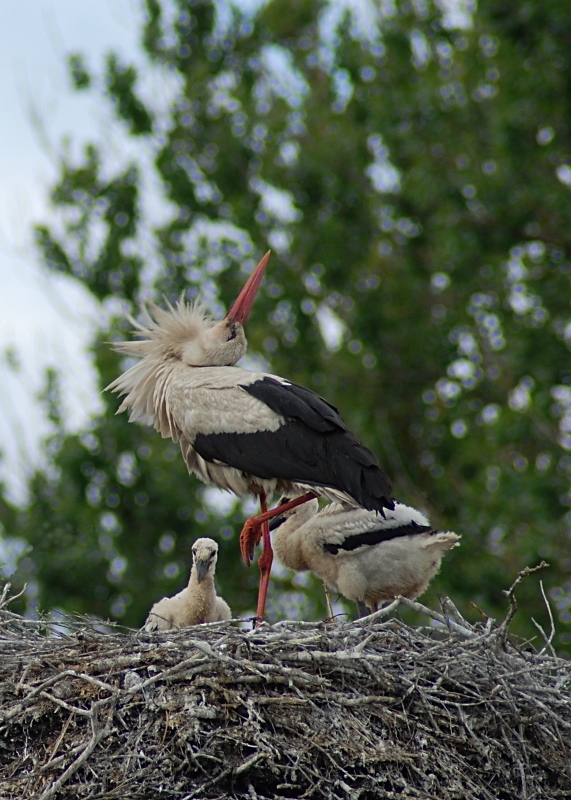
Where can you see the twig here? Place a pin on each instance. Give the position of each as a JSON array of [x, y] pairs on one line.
[[382, 612], [5, 600], [414, 605], [502, 629], [96, 737], [547, 639], [450, 610]]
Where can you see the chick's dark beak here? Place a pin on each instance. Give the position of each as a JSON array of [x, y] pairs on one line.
[[242, 306], [280, 519], [202, 567], [275, 522]]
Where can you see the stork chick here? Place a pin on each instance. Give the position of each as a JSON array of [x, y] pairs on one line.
[[364, 556], [198, 602], [247, 432]]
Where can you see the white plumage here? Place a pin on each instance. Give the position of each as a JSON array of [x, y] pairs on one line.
[[198, 602], [360, 554], [186, 386], [247, 432]]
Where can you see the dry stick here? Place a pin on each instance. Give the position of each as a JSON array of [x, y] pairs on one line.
[[502, 630], [3, 597], [458, 627], [442, 678], [450, 610], [546, 639], [548, 710], [96, 737], [40, 690], [252, 760], [449, 623], [49, 766], [363, 644], [197, 665], [284, 623], [482, 613], [382, 612], [65, 726]]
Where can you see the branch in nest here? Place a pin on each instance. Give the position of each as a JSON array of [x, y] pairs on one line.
[[502, 629]]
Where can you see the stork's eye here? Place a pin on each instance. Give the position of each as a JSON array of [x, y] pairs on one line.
[[232, 332]]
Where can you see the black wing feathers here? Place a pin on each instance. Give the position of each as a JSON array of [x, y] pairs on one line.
[[296, 402], [265, 454], [375, 537], [313, 446]]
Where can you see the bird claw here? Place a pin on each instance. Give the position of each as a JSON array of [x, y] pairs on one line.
[[250, 536]]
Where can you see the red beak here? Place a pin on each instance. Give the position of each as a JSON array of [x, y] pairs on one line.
[[243, 304]]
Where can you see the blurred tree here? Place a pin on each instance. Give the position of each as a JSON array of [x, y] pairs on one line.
[[410, 167]]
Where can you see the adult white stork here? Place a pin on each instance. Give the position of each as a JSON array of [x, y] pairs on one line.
[[362, 555], [248, 432], [197, 602]]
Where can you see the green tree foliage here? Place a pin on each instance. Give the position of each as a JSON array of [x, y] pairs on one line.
[[412, 178]]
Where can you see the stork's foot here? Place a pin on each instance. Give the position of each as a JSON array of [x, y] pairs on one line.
[[251, 533], [250, 536]]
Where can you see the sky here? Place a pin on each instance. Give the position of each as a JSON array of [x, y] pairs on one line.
[[45, 320], [48, 320]]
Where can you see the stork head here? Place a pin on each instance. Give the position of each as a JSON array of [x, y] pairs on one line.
[[204, 555], [185, 333], [212, 344], [222, 344]]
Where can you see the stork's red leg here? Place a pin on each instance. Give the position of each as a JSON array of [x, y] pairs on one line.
[[250, 536], [264, 562], [252, 531]]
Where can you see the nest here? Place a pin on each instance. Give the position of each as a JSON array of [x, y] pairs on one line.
[[365, 709]]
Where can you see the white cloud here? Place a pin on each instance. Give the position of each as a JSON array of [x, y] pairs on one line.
[[48, 320]]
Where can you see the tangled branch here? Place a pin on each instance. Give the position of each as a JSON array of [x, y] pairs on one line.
[[371, 708]]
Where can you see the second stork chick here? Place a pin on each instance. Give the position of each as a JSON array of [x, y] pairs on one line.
[[362, 555], [198, 602]]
